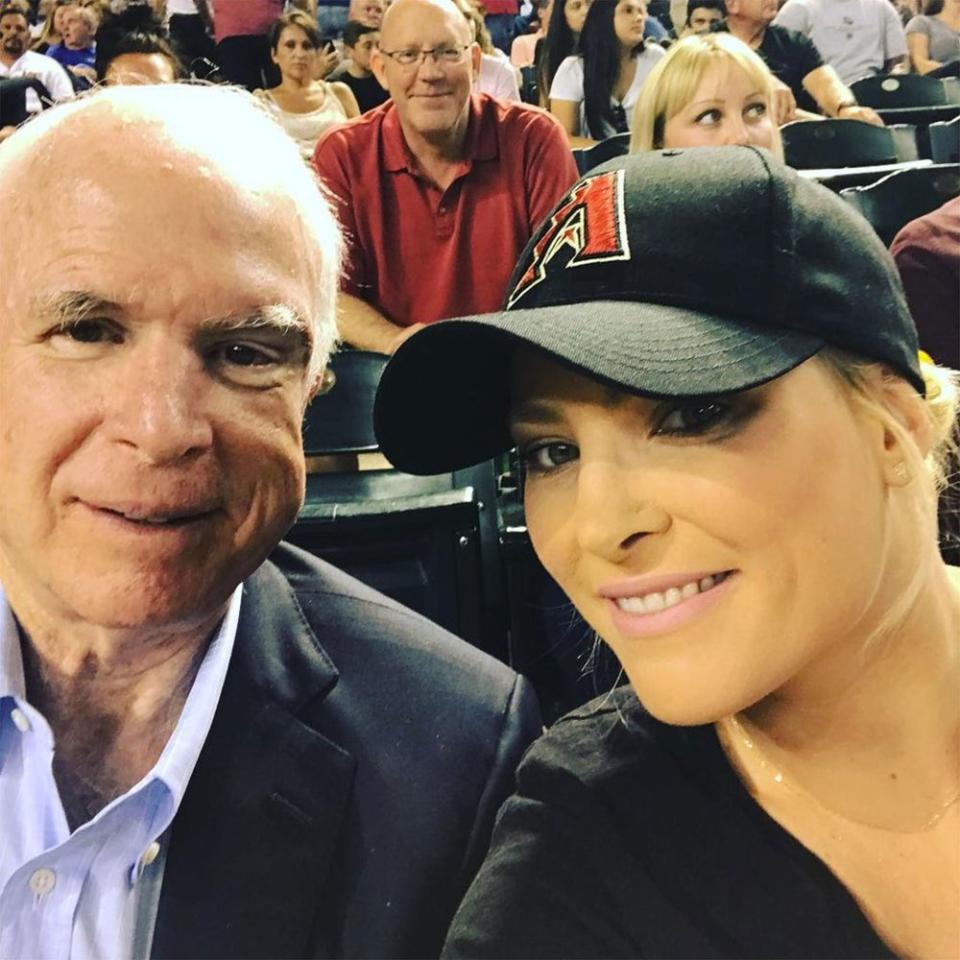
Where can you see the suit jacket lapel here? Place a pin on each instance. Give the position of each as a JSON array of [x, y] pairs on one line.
[[253, 840]]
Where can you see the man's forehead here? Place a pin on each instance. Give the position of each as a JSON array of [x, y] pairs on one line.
[[106, 143], [409, 20]]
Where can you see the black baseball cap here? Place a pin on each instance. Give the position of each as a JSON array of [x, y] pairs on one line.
[[673, 273]]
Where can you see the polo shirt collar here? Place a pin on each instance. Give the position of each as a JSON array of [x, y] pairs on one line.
[[481, 142]]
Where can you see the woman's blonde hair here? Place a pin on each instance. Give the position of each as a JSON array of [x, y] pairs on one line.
[[673, 82]]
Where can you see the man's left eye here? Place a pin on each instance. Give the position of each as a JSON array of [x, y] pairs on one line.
[[245, 355]]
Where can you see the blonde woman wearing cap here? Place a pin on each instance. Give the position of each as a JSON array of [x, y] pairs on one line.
[[732, 459], [708, 91]]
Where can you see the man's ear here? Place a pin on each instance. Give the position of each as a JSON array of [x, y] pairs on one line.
[[378, 66], [908, 410], [475, 56]]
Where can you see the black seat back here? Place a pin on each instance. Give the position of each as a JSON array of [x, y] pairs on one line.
[[945, 141], [888, 91], [13, 99], [895, 200], [340, 418], [822, 144], [589, 157]]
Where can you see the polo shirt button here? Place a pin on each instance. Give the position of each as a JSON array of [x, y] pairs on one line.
[[150, 854], [42, 881], [19, 719]]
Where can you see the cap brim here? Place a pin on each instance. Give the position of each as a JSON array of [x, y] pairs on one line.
[[444, 397]]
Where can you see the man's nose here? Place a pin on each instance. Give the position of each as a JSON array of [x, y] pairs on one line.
[[429, 68], [613, 511], [159, 408]]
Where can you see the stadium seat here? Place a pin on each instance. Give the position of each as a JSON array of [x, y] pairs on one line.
[[945, 141], [589, 157], [338, 420], [13, 99], [823, 144], [431, 543], [887, 91], [895, 200]]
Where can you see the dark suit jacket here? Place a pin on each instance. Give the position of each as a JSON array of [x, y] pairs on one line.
[[346, 792]]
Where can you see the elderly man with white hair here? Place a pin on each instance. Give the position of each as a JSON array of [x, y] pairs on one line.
[[203, 752]]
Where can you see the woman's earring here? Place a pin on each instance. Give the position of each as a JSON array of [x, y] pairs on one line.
[[901, 472]]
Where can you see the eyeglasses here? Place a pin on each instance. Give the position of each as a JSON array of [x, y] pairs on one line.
[[447, 56]]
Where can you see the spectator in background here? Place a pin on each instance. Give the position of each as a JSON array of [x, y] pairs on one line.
[[16, 60], [523, 50], [240, 30], [190, 23], [702, 15], [440, 188], [305, 107], [795, 61], [710, 90], [369, 12], [359, 41], [501, 20], [133, 47], [496, 76], [78, 50], [933, 37], [332, 17], [52, 30], [594, 91], [858, 38], [562, 40], [927, 253]]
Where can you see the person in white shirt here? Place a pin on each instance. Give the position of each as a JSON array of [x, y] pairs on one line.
[[858, 38], [18, 61], [497, 76], [594, 91]]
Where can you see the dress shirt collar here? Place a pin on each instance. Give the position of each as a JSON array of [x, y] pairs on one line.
[[179, 756], [12, 683], [480, 144]]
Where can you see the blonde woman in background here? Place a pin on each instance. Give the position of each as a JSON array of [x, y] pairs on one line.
[[708, 91]]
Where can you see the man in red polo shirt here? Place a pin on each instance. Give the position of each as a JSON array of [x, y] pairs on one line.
[[440, 188]]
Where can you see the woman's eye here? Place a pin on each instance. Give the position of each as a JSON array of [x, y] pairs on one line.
[[708, 118], [695, 417], [547, 456], [755, 111]]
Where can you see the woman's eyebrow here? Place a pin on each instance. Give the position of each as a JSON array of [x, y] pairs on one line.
[[534, 412]]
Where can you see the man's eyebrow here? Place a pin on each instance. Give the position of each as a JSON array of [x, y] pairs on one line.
[[72, 305], [69, 306], [276, 316]]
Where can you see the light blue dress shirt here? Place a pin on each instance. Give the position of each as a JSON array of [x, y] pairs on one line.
[[74, 895]]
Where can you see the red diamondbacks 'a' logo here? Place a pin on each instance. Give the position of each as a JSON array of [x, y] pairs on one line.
[[591, 223]]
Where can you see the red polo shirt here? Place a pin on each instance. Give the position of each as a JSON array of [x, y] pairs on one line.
[[419, 254]]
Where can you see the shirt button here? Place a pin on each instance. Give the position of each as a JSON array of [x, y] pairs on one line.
[[19, 719], [42, 881], [150, 854]]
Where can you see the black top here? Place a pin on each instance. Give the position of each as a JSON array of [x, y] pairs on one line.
[[790, 57], [630, 838], [367, 90]]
